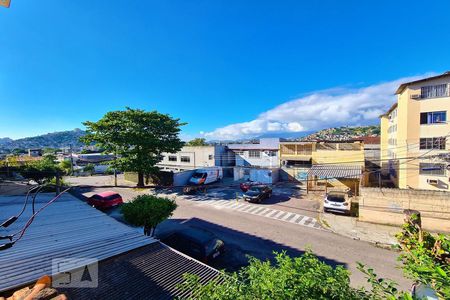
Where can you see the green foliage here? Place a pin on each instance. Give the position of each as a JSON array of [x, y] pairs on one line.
[[426, 257], [197, 142], [137, 137], [48, 150], [89, 168], [66, 166], [148, 211], [41, 170], [304, 277]]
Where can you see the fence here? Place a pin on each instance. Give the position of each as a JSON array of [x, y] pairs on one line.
[[386, 205]]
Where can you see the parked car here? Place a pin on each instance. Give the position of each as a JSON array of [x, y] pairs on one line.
[[248, 184], [258, 193], [195, 242], [105, 200], [337, 202]]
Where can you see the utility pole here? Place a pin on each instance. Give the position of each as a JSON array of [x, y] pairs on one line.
[[71, 160]]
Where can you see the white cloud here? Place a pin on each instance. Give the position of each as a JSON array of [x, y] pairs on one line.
[[318, 110]]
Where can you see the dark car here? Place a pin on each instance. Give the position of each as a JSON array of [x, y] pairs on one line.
[[195, 242], [105, 200], [245, 186], [258, 193]]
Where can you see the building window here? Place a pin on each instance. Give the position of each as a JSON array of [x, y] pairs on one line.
[[433, 117], [434, 91], [210, 157], [432, 143], [254, 153], [185, 159], [172, 158], [432, 169]]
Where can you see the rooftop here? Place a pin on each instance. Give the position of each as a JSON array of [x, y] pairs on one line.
[[402, 87], [264, 144], [130, 264]]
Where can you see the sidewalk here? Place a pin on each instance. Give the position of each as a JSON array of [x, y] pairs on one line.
[[381, 235]]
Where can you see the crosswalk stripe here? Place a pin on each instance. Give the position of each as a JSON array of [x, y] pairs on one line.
[[254, 209], [265, 214], [262, 212], [298, 220], [287, 216]]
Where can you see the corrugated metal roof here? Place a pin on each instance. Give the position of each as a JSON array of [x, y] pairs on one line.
[[150, 272], [66, 228], [335, 171]]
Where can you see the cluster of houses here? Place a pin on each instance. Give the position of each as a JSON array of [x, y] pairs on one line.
[[411, 152]]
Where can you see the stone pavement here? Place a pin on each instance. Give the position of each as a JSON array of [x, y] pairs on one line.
[[381, 235]]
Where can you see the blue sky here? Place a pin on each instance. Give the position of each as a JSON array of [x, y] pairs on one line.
[[227, 68]]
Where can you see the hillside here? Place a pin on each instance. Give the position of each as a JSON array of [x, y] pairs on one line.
[[343, 133], [50, 140]]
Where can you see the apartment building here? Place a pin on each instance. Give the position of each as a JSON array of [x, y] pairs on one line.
[[414, 131], [323, 164], [193, 157]]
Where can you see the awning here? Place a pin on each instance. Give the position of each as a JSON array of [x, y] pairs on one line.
[[335, 171]]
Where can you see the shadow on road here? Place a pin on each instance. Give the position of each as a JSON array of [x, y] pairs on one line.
[[238, 245]]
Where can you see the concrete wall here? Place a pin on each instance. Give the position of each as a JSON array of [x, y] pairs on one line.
[[265, 175], [385, 206]]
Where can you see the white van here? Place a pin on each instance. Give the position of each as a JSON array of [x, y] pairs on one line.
[[206, 175]]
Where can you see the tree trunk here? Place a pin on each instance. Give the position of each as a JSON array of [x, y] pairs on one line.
[[141, 179], [149, 231]]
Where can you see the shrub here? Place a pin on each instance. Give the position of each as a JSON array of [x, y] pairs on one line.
[[148, 211]]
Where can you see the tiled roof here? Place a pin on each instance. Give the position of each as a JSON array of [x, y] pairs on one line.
[[66, 228], [335, 171], [150, 272]]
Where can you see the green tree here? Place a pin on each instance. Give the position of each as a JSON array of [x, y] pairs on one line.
[[66, 166], [148, 211], [42, 170], [197, 142], [425, 256], [137, 137], [304, 277], [89, 168]]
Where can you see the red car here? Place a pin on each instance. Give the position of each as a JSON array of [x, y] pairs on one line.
[[245, 186], [105, 200]]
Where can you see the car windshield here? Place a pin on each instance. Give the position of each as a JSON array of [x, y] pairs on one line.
[[336, 198], [198, 175], [255, 189]]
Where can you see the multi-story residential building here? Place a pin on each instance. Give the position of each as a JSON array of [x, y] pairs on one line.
[[257, 161], [194, 157], [414, 131], [324, 164], [262, 154]]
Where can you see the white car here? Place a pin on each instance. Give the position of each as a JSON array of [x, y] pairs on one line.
[[337, 202]]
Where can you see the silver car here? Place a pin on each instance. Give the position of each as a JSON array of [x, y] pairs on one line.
[[337, 202]]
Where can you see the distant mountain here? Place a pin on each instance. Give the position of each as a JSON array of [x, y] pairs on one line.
[[343, 133], [50, 140]]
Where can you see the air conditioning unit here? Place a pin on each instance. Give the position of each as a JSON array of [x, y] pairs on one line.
[[432, 181], [418, 96]]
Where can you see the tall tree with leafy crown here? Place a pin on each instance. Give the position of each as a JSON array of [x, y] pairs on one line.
[[136, 137]]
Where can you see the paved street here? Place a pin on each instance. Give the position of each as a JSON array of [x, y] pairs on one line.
[[287, 224]]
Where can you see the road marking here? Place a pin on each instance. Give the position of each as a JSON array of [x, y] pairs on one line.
[[264, 212]]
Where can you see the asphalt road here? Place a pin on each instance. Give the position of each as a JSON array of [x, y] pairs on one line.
[[259, 236], [247, 234]]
